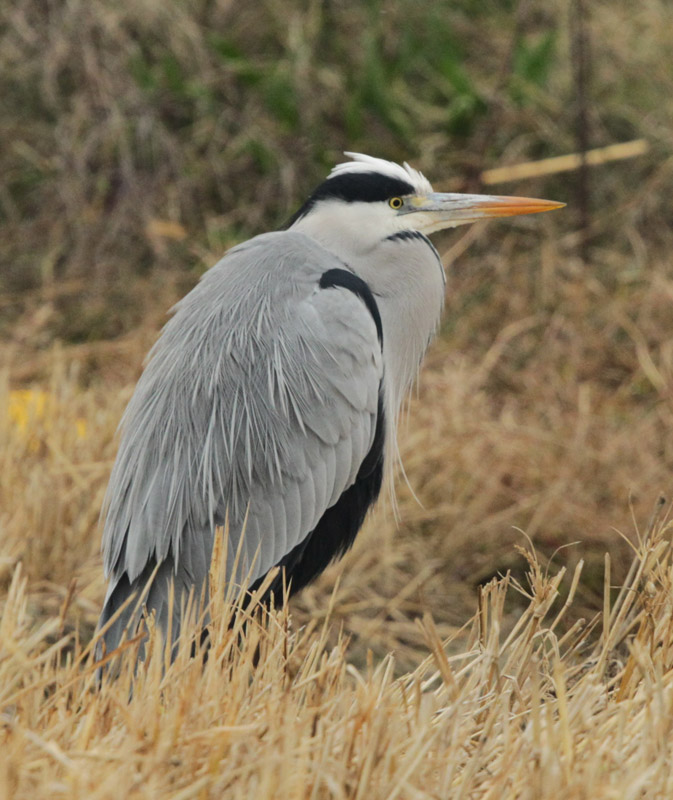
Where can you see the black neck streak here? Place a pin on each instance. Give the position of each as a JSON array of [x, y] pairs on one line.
[[407, 236]]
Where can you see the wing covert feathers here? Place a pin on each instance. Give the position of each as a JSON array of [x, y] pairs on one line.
[[258, 405]]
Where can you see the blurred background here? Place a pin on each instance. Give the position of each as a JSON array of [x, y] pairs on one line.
[[140, 140]]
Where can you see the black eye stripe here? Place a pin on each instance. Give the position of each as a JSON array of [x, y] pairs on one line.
[[355, 187]]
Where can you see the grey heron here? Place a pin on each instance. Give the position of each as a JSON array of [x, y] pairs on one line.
[[270, 400]]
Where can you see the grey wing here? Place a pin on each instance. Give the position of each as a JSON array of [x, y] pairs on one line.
[[335, 467], [259, 406]]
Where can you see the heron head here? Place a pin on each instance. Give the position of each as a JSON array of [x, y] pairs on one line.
[[366, 200]]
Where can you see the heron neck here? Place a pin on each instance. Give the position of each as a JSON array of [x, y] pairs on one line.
[[407, 280], [406, 276]]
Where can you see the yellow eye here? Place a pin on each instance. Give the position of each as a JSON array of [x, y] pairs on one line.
[[395, 202]]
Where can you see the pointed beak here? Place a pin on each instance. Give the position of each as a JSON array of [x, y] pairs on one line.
[[433, 212]]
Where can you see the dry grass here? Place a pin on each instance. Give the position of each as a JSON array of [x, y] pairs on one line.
[[282, 712], [145, 137]]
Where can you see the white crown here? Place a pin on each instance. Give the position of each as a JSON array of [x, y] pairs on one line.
[[363, 163]]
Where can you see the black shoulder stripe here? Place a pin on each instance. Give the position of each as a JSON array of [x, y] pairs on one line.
[[349, 280]]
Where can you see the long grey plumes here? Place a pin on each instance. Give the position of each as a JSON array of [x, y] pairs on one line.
[[247, 410]]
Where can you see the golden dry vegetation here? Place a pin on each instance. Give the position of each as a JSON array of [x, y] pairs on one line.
[[511, 636]]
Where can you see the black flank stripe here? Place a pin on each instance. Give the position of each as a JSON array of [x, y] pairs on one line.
[[338, 526]]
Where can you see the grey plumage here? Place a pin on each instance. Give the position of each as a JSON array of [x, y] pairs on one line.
[[272, 394], [268, 417]]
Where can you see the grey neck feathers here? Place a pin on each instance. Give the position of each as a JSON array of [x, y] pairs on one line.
[[407, 280]]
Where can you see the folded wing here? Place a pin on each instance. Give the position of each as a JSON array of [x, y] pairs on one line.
[[260, 407]]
